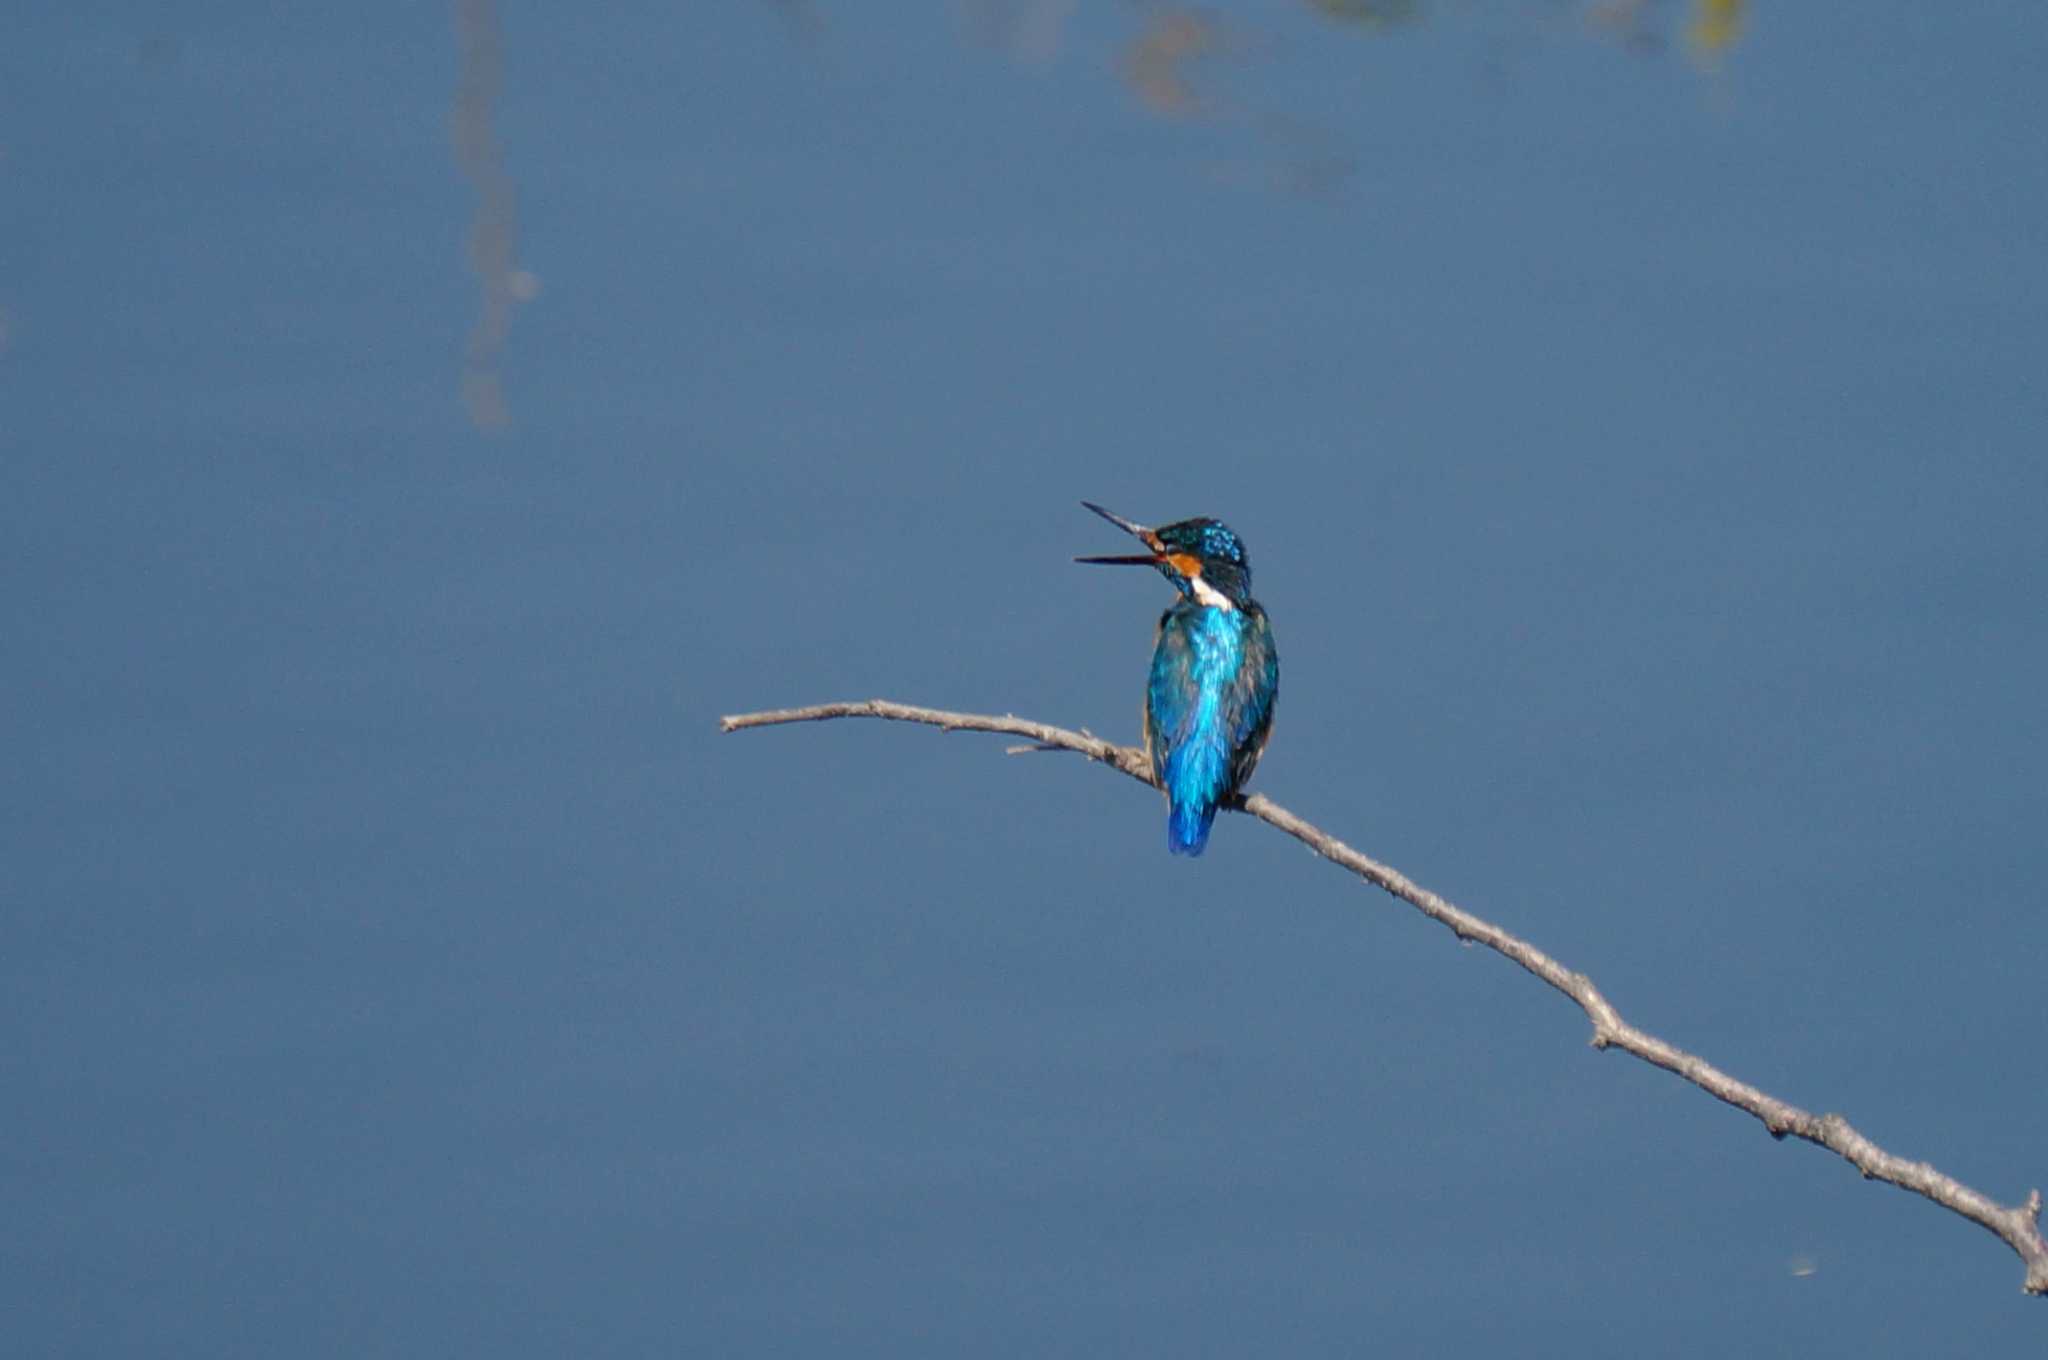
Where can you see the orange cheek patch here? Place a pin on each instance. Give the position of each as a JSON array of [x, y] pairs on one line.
[[1187, 564]]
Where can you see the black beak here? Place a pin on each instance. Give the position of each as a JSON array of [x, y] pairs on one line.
[[1137, 531]]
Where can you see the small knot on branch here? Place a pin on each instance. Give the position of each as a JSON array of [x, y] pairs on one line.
[[1834, 1131]]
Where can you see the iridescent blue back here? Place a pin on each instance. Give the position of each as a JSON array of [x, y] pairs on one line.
[[1208, 711]]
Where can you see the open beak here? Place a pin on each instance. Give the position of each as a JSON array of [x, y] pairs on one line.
[[1137, 531]]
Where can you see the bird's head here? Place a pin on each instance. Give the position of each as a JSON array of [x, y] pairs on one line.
[[1203, 558]]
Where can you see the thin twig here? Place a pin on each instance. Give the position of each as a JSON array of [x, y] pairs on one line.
[[2017, 1225]]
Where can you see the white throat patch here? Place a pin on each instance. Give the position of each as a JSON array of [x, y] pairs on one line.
[[1209, 595]]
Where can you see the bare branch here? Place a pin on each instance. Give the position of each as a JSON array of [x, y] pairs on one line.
[[1044, 736], [2017, 1225]]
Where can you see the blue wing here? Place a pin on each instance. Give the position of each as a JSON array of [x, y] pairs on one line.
[[1253, 695]]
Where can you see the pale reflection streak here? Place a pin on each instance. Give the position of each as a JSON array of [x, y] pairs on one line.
[[493, 231]]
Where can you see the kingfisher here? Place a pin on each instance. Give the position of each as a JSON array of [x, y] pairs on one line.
[[1209, 701]]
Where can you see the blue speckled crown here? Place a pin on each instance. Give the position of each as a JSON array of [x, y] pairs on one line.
[[1221, 551]]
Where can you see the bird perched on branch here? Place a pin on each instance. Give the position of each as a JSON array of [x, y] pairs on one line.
[[1209, 701]]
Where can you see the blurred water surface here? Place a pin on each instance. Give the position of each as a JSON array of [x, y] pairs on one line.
[[420, 427]]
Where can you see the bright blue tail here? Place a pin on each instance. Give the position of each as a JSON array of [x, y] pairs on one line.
[[1187, 827]]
